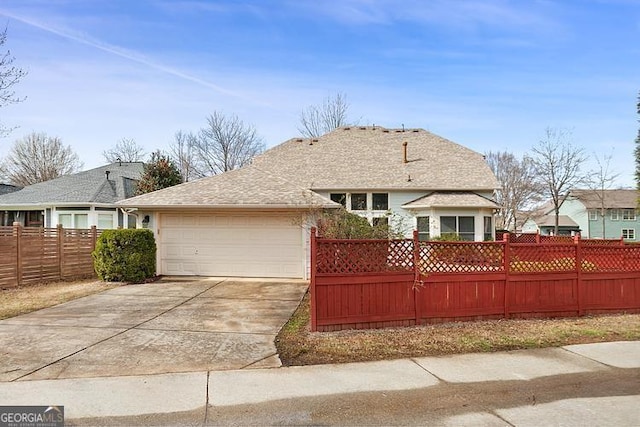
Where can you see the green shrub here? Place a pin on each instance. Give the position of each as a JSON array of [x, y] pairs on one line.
[[125, 255], [448, 237]]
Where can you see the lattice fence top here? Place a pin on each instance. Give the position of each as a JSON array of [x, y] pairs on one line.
[[363, 256], [602, 242], [461, 257], [536, 258], [523, 238]]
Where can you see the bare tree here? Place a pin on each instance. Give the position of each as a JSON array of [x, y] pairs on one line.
[[125, 150], [518, 187], [316, 120], [557, 164], [599, 181], [226, 143], [181, 153], [38, 158], [10, 75]]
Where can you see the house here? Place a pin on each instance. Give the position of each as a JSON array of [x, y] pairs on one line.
[[79, 200], [608, 214], [254, 221], [545, 225]]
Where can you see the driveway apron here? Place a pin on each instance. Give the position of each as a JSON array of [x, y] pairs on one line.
[[166, 326]]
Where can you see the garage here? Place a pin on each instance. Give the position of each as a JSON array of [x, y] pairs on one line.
[[231, 244]]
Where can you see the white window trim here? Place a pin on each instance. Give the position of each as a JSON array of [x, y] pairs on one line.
[[593, 215], [630, 232], [631, 217], [615, 217]]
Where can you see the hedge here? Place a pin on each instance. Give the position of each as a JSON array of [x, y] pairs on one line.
[[127, 255]]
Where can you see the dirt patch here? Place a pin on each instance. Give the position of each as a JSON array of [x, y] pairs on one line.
[[25, 299], [298, 346]]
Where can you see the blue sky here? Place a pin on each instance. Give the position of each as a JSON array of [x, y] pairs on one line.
[[488, 74]]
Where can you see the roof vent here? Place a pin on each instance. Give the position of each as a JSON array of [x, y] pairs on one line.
[[363, 128], [347, 128], [386, 131], [312, 141], [405, 159], [299, 140], [415, 130], [107, 174]]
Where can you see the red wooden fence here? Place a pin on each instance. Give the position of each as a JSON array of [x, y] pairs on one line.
[[381, 283]]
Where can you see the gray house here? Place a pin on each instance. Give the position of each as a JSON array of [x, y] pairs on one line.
[[80, 200]]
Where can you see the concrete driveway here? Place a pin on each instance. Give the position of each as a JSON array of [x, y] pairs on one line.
[[166, 326]]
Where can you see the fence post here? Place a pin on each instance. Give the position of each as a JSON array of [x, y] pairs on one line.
[[579, 284], [506, 259], [314, 255], [17, 232], [94, 237], [60, 236], [538, 237], [416, 276]]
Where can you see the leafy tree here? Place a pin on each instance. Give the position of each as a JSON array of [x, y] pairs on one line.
[[316, 120], [10, 75], [125, 150], [38, 158], [226, 143], [158, 173], [518, 187], [557, 164]]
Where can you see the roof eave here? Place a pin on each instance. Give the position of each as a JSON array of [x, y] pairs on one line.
[[228, 206]]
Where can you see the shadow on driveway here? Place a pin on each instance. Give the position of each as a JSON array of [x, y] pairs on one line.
[[166, 326]]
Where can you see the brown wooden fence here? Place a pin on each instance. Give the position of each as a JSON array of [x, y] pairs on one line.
[[31, 255], [380, 283]]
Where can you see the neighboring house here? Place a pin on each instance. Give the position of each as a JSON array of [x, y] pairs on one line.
[[80, 200], [6, 189], [545, 225], [254, 221], [609, 214]]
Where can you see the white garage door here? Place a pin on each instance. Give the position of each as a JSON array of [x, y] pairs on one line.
[[231, 245]]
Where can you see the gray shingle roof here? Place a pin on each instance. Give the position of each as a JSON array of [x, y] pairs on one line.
[[366, 157], [613, 199], [550, 221], [451, 199], [247, 187], [89, 186]]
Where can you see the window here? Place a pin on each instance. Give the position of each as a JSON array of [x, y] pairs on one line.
[[593, 215], [105, 221], [423, 228], [359, 201], [615, 214], [66, 220], [466, 228], [463, 226], [380, 201], [131, 221], [629, 233], [488, 228], [339, 198], [74, 220], [629, 215]]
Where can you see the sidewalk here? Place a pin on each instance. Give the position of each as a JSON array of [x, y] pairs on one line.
[[130, 396]]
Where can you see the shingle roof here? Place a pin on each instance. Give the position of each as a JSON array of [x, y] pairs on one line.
[[550, 221], [451, 199], [89, 186], [247, 187], [367, 157], [613, 199], [8, 188]]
